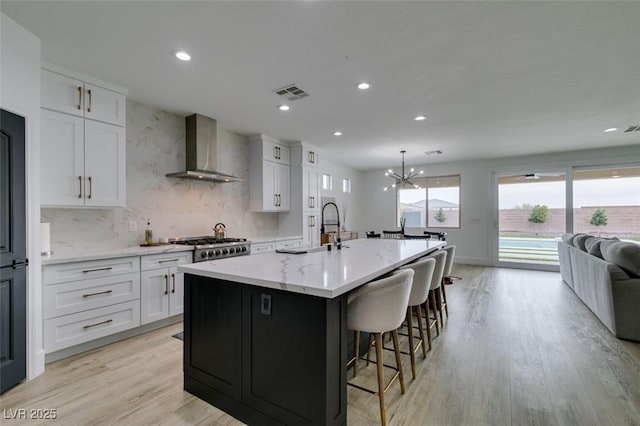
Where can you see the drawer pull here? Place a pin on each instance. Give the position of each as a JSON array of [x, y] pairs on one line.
[[80, 182], [166, 284], [98, 323], [168, 260], [79, 97], [97, 270], [89, 107], [173, 283], [96, 294]]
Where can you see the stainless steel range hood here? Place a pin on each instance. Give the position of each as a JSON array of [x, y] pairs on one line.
[[202, 151]]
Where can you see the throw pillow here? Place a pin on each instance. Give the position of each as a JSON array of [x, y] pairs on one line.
[[572, 241], [625, 255], [566, 238], [579, 241], [593, 246]]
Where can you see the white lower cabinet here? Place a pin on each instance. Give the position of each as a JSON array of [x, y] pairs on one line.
[[162, 286], [266, 247], [87, 300], [289, 244], [311, 223]]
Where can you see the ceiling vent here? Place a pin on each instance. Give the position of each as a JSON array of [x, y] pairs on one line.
[[635, 128], [291, 92], [434, 152]]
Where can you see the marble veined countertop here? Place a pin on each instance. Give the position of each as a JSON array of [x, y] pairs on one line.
[[70, 255], [317, 272]]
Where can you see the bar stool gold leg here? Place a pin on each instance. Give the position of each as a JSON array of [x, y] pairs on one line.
[[356, 350], [424, 346], [444, 298], [434, 307], [379, 360], [410, 331], [396, 348], [439, 299], [369, 349], [427, 320]]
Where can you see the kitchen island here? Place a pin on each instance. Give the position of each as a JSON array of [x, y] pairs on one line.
[[266, 335]]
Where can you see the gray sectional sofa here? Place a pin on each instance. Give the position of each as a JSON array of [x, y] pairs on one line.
[[605, 275]]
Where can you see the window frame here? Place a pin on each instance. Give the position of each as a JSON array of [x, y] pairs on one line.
[[426, 187]]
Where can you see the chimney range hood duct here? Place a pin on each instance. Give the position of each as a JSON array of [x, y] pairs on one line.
[[202, 151]]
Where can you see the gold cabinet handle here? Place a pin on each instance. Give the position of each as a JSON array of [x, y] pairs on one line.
[[90, 188], [173, 283], [79, 97], [89, 106], [80, 186], [98, 269], [166, 284], [96, 294], [98, 323]]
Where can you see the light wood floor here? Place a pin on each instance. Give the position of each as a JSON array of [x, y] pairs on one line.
[[519, 349]]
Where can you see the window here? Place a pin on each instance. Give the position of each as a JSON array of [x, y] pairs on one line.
[[327, 182], [436, 204], [606, 202], [346, 185]]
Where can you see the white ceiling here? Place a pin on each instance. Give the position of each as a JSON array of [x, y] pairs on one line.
[[494, 78]]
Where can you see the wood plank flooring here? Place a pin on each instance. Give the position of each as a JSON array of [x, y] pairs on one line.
[[519, 349]]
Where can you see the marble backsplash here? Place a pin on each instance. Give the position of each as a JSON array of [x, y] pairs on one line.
[[175, 207]]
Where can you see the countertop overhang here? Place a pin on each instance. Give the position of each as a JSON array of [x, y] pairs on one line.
[[320, 273]]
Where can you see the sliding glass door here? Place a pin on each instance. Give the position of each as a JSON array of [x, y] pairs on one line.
[[531, 217]]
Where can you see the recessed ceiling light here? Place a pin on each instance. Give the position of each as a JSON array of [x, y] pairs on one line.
[[364, 85], [420, 117], [337, 133], [610, 129], [283, 107], [183, 56]]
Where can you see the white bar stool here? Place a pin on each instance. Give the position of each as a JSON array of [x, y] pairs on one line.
[[378, 307], [451, 253], [440, 257], [423, 273]]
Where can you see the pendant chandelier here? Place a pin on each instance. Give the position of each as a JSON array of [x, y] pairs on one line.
[[403, 179]]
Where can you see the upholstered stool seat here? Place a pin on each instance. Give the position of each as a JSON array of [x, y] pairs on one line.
[[378, 307]]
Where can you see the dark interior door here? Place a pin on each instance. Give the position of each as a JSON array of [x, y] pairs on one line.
[[13, 249]]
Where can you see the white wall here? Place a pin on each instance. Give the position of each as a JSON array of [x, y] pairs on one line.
[[20, 94], [475, 239]]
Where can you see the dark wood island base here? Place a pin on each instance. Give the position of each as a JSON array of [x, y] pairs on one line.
[[266, 356]]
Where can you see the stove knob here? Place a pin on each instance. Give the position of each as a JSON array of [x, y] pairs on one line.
[[244, 248], [218, 252], [224, 251], [210, 253], [234, 250], [203, 255]]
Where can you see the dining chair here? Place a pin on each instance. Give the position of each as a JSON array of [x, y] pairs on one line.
[[391, 234]]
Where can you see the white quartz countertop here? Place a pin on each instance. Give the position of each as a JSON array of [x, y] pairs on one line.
[[318, 272], [71, 255]]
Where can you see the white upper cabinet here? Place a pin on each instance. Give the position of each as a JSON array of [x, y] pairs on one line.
[[310, 156], [269, 184], [83, 141], [72, 96]]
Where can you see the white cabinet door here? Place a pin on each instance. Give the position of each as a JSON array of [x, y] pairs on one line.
[[104, 105], [275, 152], [269, 188], [311, 235], [310, 189], [61, 93], [309, 156], [283, 191], [176, 292], [154, 295], [105, 168], [61, 159]]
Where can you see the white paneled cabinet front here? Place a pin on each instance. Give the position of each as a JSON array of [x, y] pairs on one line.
[[310, 189], [87, 300], [269, 184], [73, 96], [162, 286], [311, 235], [83, 142], [83, 162]]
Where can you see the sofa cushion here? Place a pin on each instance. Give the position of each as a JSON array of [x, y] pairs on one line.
[[566, 238], [625, 255], [579, 241], [593, 246]]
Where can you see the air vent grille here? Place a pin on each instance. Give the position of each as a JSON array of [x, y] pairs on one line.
[[292, 92], [635, 128]]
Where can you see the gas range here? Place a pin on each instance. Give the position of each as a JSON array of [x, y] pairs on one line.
[[210, 248]]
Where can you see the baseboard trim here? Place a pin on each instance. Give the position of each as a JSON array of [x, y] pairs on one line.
[[107, 340]]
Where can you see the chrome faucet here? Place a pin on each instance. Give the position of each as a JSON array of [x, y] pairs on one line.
[[338, 240]]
